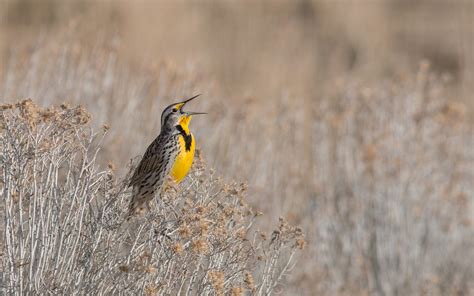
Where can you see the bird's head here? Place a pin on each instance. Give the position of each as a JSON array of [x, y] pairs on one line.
[[174, 115]]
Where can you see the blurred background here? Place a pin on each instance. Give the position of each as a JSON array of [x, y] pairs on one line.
[[353, 119], [262, 48]]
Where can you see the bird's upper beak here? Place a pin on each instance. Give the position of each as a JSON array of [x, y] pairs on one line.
[[181, 105]]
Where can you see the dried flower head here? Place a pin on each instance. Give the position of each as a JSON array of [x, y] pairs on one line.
[[216, 278], [150, 269], [237, 291], [203, 226], [300, 243], [111, 166], [200, 246], [249, 281], [178, 248], [184, 231], [151, 290], [105, 127]]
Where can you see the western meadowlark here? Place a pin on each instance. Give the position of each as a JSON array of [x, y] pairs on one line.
[[171, 154]]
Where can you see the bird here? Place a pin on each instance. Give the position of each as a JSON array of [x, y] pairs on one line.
[[169, 156]]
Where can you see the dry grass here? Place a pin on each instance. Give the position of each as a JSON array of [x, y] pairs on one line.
[[264, 48], [64, 229], [382, 181], [393, 208], [323, 108]]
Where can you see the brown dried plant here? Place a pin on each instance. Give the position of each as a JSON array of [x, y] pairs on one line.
[[64, 230], [378, 173]]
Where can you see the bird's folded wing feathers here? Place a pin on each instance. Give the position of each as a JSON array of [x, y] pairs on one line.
[[150, 162]]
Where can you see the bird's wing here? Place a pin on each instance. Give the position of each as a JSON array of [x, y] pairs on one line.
[[153, 160]]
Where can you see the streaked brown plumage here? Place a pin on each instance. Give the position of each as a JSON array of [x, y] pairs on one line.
[[151, 173]]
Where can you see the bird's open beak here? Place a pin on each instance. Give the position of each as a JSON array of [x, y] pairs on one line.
[[181, 105]]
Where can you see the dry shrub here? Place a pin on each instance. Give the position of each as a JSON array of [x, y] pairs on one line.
[[379, 173], [393, 211], [64, 230]]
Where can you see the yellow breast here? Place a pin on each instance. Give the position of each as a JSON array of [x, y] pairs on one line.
[[184, 160]]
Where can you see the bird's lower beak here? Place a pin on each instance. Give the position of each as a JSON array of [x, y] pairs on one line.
[[194, 113]]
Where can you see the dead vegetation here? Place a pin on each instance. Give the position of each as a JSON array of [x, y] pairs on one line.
[[381, 183], [322, 107], [64, 230]]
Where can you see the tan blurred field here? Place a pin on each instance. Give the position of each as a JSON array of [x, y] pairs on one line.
[[353, 119]]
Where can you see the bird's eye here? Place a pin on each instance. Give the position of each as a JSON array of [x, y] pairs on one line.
[[175, 110]]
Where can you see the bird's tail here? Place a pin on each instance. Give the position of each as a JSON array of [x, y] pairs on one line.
[[139, 199], [134, 204]]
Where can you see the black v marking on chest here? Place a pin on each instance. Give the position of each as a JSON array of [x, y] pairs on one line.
[[188, 138]]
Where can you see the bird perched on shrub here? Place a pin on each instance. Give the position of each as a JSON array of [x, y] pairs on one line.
[[170, 155]]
